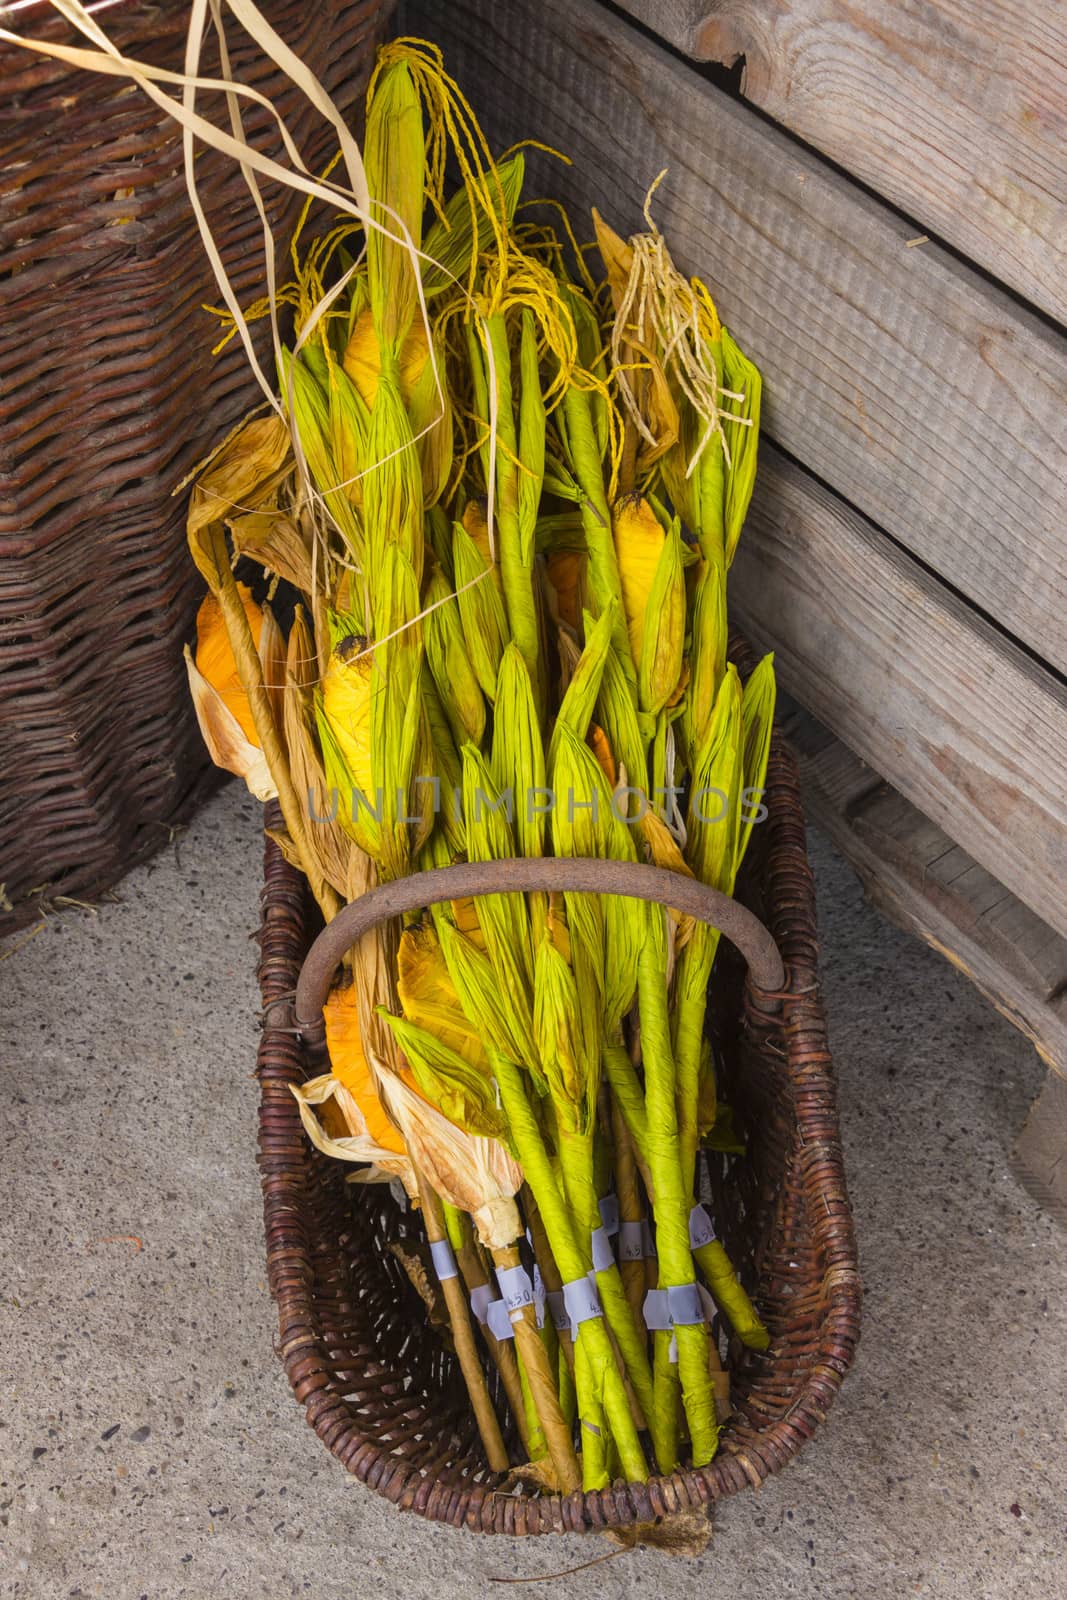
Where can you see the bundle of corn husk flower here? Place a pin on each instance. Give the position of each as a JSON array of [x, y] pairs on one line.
[[486, 536]]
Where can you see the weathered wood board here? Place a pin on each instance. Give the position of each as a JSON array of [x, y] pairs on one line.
[[957, 112], [1041, 1150], [914, 872], [969, 728], [920, 393]]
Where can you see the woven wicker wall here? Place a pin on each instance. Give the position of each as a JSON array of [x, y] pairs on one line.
[[108, 395]]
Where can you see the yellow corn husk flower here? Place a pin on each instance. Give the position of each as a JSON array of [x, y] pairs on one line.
[[504, 918], [568, 1039], [470, 1172], [450, 663], [653, 593], [461, 1092], [344, 721], [517, 762], [428, 996], [325, 1095], [363, 359], [426, 405]]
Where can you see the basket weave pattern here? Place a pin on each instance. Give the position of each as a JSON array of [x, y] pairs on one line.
[[377, 1384], [109, 395]]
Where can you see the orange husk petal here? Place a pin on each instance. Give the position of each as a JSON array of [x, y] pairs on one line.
[[214, 657], [351, 1068]]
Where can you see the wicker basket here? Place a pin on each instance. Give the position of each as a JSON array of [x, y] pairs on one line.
[[108, 396], [377, 1385]]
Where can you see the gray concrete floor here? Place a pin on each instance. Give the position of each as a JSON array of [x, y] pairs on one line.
[[149, 1446]]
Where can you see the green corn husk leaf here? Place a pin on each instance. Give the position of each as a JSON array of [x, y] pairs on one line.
[[453, 243], [514, 552], [504, 919], [458, 1090], [506, 1028], [450, 663], [584, 823], [741, 375], [358, 301], [592, 357], [430, 415], [628, 731], [569, 1048], [395, 162], [349, 432], [717, 780], [707, 652], [446, 769], [579, 701], [476, 362], [517, 762], [400, 739], [664, 636], [439, 539], [531, 441], [481, 613], [757, 726], [585, 458], [311, 422], [393, 512]]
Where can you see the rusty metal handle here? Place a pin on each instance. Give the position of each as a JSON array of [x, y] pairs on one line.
[[578, 874]]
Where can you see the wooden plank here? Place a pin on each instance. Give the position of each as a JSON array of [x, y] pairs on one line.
[[965, 725], [957, 112], [1040, 1156], [898, 852], [923, 395]]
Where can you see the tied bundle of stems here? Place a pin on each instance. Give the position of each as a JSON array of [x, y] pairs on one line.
[[467, 602]]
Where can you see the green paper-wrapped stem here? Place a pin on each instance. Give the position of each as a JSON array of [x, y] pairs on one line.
[[596, 1373], [673, 1200]]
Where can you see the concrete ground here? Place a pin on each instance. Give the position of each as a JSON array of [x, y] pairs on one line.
[[149, 1447]]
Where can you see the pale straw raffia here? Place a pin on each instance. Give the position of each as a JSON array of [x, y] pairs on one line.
[[354, 199], [663, 310]]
